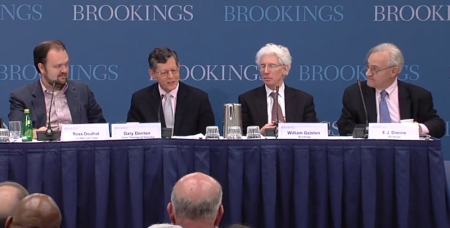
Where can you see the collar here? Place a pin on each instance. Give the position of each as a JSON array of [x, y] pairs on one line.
[[389, 89], [173, 92], [45, 90], [280, 91]]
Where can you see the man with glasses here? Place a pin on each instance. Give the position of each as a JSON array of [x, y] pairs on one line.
[[259, 105], [183, 108], [387, 99]]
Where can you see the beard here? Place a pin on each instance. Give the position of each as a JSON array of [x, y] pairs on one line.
[[60, 80]]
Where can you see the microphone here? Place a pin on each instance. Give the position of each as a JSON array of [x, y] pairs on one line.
[[165, 132], [360, 130], [2, 123], [278, 120], [49, 134]]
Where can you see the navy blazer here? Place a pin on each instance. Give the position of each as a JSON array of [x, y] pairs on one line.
[[80, 99]]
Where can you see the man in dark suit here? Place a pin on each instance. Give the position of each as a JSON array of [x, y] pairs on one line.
[[183, 108], [73, 102], [258, 107], [387, 99]]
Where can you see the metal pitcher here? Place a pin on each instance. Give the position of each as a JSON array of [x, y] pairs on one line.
[[232, 116]]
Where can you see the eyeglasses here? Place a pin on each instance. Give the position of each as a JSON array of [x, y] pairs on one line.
[[375, 70], [270, 66], [174, 72]]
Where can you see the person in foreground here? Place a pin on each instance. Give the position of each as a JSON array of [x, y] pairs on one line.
[[388, 100], [35, 210], [73, 101], [164, 225], [258, 107], [11, 194], [183, 108], [196, 202]]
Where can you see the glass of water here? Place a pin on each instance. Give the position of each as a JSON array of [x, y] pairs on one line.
[[4, 135], [15, 128], [234, 132], [212, 132], [253, 132]]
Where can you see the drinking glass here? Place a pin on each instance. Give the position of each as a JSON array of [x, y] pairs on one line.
[[234, 132], [253, 132], [212, 132], [4, 135], [15, 128]]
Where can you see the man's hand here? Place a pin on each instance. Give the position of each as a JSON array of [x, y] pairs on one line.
[[39, 129], [420, 127], [267, 126]]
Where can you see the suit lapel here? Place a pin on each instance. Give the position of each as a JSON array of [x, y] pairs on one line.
[[181, 106], [261, 105], [371, 104], [73, 103], [38, 105], [289, 105], [404, 101]]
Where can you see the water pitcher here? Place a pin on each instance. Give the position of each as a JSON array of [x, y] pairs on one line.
[[232, 116]]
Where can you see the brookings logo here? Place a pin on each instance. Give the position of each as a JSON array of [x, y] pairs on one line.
[[284, 13], [20, 12], [133, 13], [412, 13], [98, 72]]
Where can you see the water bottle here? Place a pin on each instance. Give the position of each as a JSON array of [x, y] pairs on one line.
[[27, 127]]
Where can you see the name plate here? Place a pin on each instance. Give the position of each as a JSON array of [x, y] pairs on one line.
[[303, 130], [84, 132], [136, 131], [402, 131]]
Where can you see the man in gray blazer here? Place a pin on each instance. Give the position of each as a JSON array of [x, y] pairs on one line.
[[73, 102]]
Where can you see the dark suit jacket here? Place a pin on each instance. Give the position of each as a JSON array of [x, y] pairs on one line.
[[299, 107], [193, 112], [415, 103], [80, 99]]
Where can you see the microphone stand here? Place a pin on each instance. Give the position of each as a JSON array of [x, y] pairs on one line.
[[278, 120], [274, 132], [165, 132], [49, 134], [360, 130]]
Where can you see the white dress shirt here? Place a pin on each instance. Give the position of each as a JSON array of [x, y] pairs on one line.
[[174, 97], [271, 101]]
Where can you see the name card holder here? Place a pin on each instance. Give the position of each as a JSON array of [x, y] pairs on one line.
[[84, 132], [399, 131], [136, 131], [302, 130]]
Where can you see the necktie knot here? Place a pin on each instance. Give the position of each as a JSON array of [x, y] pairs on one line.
[[383, 94], [273, 95]]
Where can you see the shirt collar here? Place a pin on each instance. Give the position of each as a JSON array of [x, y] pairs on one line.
[[173, 92], [280, 90], [389, 89], [45, 90]]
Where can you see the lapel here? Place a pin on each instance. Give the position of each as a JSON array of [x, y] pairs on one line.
[[290, 105], [181, 106], [73, 102], [38, 104], [404, 101], [155, 98], [370, 100], [261, 105]]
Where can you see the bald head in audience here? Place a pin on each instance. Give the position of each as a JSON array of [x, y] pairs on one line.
[[10, 195], [196, 202], [37, 211]]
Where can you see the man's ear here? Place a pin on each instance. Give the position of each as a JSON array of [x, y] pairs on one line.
[[9, 222]]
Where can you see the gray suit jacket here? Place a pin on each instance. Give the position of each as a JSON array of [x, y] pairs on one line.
[[80, 99]]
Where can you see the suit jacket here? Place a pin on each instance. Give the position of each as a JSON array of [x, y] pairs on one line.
[[299, 107], [80, 99], [415, 103], [193, 112]]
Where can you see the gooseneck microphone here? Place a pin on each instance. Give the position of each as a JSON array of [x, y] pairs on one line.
[[165, 132], [360, 130], [278, 120], [159, 108], [49, 134]]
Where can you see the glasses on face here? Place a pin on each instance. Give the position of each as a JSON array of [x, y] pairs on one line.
[[269, 66], [375, 70], [174, 72]]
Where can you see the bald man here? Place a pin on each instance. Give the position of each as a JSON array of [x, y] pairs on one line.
[[196, 202], [37, 211], [10, 195]]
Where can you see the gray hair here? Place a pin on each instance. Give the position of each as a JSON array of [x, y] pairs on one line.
[[395, 55], [205, 208], [165, 225], [282, 52]]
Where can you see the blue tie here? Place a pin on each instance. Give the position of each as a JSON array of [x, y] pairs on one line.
[[385, 117]]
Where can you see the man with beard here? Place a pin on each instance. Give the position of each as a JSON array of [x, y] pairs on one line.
[[73, 101]]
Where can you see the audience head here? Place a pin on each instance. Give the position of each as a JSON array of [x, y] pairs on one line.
[[384, 63], [238, 226], [164, 67], [35, 210], [274, 62], [164, 226], [196, 201], [10, 195], [52, 61]]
